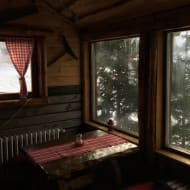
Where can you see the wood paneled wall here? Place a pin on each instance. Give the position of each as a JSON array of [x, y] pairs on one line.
[[66, 70], [62, 110], [63, 83]]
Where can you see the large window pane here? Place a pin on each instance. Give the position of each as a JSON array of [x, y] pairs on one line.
[[115, 83], [178, 94]]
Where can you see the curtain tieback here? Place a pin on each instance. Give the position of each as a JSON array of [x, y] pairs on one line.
[[21, 78]]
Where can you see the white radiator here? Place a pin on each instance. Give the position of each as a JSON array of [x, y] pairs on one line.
[[10, 145]]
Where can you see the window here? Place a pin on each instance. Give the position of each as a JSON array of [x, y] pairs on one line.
[[20, 68], [178, 91], [9, 81], [115, 83]]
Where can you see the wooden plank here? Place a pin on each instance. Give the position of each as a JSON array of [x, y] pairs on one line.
[[160, 63], [106, 7], [39, 120], [65, 72], [17, 12], [68, 124], [86, 81], [42, 76], [64, 99], [132, 10], [162, 20], [59, 90], [18, 29], [143, 94], [69, 3], [34, 111], [63, 80]]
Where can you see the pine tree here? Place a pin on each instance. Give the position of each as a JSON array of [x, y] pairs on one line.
[[117, 81]]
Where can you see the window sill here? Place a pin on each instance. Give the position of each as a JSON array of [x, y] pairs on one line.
[[23, 102], [114, 132], [174, 156]]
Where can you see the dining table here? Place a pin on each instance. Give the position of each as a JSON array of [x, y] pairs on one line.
[[71, 163]]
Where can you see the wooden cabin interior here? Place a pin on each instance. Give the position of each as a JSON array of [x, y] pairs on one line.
[[116, 69]]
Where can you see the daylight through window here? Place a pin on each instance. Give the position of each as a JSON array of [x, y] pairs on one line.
[[9, 80], [178, 91], [115, 83]]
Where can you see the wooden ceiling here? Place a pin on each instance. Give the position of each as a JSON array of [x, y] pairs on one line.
[[79, 13]]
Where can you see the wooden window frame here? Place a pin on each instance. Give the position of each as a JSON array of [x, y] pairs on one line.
[[158, 79], [39, 84], [86, 83], [152, 113]]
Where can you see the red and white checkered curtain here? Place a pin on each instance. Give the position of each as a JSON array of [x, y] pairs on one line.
[[20, 51]]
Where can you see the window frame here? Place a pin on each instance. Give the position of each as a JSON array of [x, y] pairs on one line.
[[161, 108], [38, 76], [93, 82], [86, 83], [168, 95]]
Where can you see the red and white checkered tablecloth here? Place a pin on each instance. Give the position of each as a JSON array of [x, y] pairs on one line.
[[45, 155]]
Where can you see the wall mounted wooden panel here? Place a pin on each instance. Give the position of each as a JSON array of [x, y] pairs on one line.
[[66, 70], [62, 111], [64, 73]]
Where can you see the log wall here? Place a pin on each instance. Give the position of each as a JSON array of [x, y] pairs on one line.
[[62, 110]]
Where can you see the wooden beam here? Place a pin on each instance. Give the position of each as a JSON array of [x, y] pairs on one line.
[[60, 12], [20, 28], [99, 10], [67, 49], [70, 3], [17, 12], [173, 18]]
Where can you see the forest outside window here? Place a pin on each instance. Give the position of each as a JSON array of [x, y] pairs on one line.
[[115, 83], [178, 91], [19, 68]]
